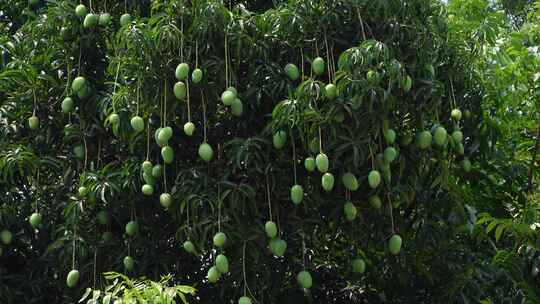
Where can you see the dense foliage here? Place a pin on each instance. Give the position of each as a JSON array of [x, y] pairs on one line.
[[389, 142]]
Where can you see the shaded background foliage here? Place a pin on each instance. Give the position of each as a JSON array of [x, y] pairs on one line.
[[454, 250]]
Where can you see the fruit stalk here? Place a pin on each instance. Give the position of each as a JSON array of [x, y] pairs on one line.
[[391, 212], [268, 197], [219, 201], [294, 156], [533, 159], [361, 24], [114, 89], [226, 61], [74, 238], [302, 63], [204, 116], [244, 267], [328, 59]]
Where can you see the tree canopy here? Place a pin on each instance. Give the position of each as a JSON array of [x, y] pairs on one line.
[[287, 151]]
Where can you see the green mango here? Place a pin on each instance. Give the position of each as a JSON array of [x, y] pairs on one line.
[[129, 263], [213, 274], [180, 90], [157, 138], [350, 211], [197, 76], [102, 217], [423, 140], [394, 244], [407, 85], [104, 19], [375, 201], [390, 136], [189, 247], [82, 191], [297, 194], [322, 163], [456, 114], [35, 220], [374, 179], [279, 139], [390, 154], [222, 264], [156, 134], [114, 118], [227, 97], [304, 279], [460, 149], [457, 136], [318, 66], [165, 134], [132, 228], [79, 152], [278, 247], [220, 239], [84, 93], [165, 200], [349, 181], [381, 162], [167, 154], [33, 122], [271, 229], [72, 278], [125, 19], [157, 171], [137, 123], [330, 91], [81, 10], [372, 77], [90, 20], [233, 89], [439, 136], [206, 152], [147, 189], [182, 71], [237, 108], [147, 167], [292, 71], [327, 181], [359, 266], [67, 105], [244, 300], [430, 69], [149, 179], [314, 145], [466, 165], [6, 237], [309, 164], [189, 128]]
